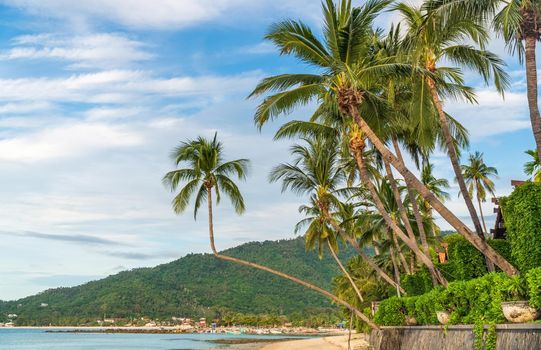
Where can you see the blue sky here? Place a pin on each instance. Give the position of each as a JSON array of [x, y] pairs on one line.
[[93, 96]]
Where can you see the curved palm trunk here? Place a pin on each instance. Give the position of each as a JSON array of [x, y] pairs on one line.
[[531, 84], [357, 145], [278, 273], [359, 251], [453, 156], [344, 271], [481, 213], [451, 218], [416, 212]]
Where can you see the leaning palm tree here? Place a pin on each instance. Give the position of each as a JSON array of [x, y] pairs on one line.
[[533, 167], [319, 234], [518, 22], [346, 83], [477, 175], [207, 173], [317, 170], [434, 39]]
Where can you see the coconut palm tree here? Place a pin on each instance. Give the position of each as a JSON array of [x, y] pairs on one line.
[[317, 170], [519, 23], [436, 186], [319, 234], [477, 175], [207, 173], [433, 39], [533, 167], [346, 85]]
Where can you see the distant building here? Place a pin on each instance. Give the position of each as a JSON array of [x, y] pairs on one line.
[[202, 322], [44, 305], [12, 316]]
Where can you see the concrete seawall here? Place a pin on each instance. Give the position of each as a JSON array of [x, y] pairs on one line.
[[509, 337]]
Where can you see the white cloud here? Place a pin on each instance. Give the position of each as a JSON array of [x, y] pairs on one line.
[[104, 50], [66, 141], [122, 86], [493, 115], [165, 14]]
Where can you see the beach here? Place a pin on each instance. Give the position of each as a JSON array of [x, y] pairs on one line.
[[358, 342]]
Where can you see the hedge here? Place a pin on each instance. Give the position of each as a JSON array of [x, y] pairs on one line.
[[465, 263], [467, 301], [522, 215]]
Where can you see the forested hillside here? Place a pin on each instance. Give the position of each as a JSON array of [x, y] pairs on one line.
[[195, 285]]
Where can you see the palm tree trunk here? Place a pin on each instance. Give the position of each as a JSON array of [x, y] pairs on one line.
[[481, 213], [531, 84], [453, 156], [416, 212], [344, 271], [401, 256], [343, 234], [357, 145], [399, 203], [431, 217], [451, 218], [296, 280], [414, 204], [396, 271]]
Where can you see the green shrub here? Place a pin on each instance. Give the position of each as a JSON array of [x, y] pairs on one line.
[[503, 247], [426, 306], [533, 278], [391, 312], [417, 283], [476, 300], [522, 215], [465, 261]]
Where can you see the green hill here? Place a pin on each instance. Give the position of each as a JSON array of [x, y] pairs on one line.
[[196, 285]]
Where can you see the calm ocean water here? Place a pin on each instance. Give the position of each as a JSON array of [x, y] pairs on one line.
[[38, 339]]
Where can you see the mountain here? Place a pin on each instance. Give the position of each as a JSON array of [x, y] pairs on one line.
[[197, 285]]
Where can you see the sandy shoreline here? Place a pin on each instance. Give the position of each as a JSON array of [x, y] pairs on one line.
[[358, 342]]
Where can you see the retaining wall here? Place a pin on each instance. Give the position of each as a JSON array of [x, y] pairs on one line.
[[509, 337]]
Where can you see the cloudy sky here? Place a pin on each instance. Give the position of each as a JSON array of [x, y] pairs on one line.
[[93, 96]]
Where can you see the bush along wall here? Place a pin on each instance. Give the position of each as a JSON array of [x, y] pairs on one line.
[[464, 263], [469, 302], [522, 215]]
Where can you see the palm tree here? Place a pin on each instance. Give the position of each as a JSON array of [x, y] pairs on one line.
[[319, 234], [533, 167], [477, 175], [518, 22], [317, 171], [436, 186], [357, 24], [433, 38], [207, 173], [347, 84]]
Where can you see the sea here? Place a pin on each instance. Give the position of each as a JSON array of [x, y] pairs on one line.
[[40, 339]]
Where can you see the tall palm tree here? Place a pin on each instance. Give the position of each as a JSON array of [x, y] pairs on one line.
[[436, 186], [207, 173], [533, 167], [433, 39], [347, 82], [320, 234], [339, 64], [317, 170], [477, 175], [519, 23]]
